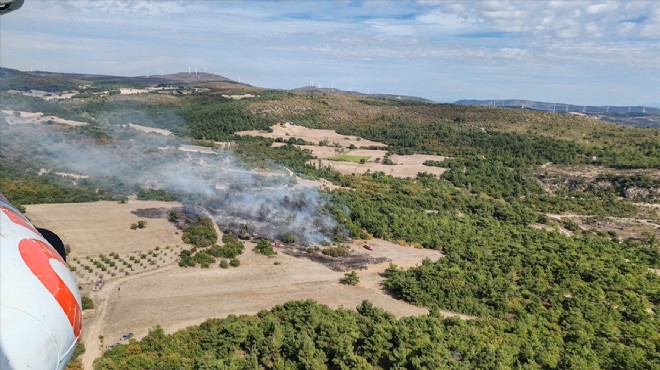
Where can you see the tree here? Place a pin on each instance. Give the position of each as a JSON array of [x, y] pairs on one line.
[[264, 247], [288, 238], [87, 303], [351, 278]]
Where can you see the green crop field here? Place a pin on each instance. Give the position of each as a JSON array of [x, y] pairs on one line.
[[350, 158]]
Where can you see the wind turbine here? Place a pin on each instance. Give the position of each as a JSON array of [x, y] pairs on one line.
[[554, 105]]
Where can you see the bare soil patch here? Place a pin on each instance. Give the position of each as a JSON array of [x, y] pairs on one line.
[[286, 131], [319, 183], [416, 159], [621, 226], [38, 117], [404, 165], [588, 172], [196, 148], [130, 91], [150, 129], [63, 174], [103, 227], [402, 170], [325, 152]]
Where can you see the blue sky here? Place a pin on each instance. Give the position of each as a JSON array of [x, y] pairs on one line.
[[580, 52]]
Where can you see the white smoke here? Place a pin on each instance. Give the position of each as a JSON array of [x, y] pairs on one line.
[[265, 203]]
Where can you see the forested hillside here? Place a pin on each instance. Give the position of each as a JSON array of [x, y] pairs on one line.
[[546, 292]]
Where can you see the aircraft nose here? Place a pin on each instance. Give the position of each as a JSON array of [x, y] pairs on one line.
[[25, 343]]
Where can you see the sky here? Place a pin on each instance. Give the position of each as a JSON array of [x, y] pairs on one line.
[[578, 52]]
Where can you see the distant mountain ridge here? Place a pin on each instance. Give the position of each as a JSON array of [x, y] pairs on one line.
[[638, 115], [560, 107], [374, 95], [641, 116], [173, 78]]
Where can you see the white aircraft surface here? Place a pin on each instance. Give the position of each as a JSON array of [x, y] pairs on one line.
[[40, 305]]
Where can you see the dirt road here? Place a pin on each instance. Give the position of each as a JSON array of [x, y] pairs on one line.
[[93, 324]]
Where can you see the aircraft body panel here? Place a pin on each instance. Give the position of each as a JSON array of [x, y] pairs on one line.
[[40, 305]]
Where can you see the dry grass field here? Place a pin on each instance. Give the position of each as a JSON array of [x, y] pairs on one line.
[[156, 291], [176, 297], [38, 117], [404, 165], [103, 227], [151, 129], [286, 131], [403, 171]]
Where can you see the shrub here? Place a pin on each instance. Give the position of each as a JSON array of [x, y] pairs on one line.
[[87, 303], [204, 259], [351, 278], [201, 234], [288, 238], [264, 247], [338, 251]]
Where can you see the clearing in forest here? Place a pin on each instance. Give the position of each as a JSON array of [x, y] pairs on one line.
[[350, 155]]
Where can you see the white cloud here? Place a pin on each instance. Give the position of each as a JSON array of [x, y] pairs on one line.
[[512, 52], [602, 8]]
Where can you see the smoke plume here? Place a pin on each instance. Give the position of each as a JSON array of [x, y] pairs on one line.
[[267, 203]]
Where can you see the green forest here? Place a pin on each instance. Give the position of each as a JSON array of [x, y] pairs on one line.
[[538, 298]]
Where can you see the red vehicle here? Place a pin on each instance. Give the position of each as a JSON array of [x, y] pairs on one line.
[[368, 247]]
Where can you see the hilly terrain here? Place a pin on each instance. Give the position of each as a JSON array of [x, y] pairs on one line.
[[351, 231], [640, 116]]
